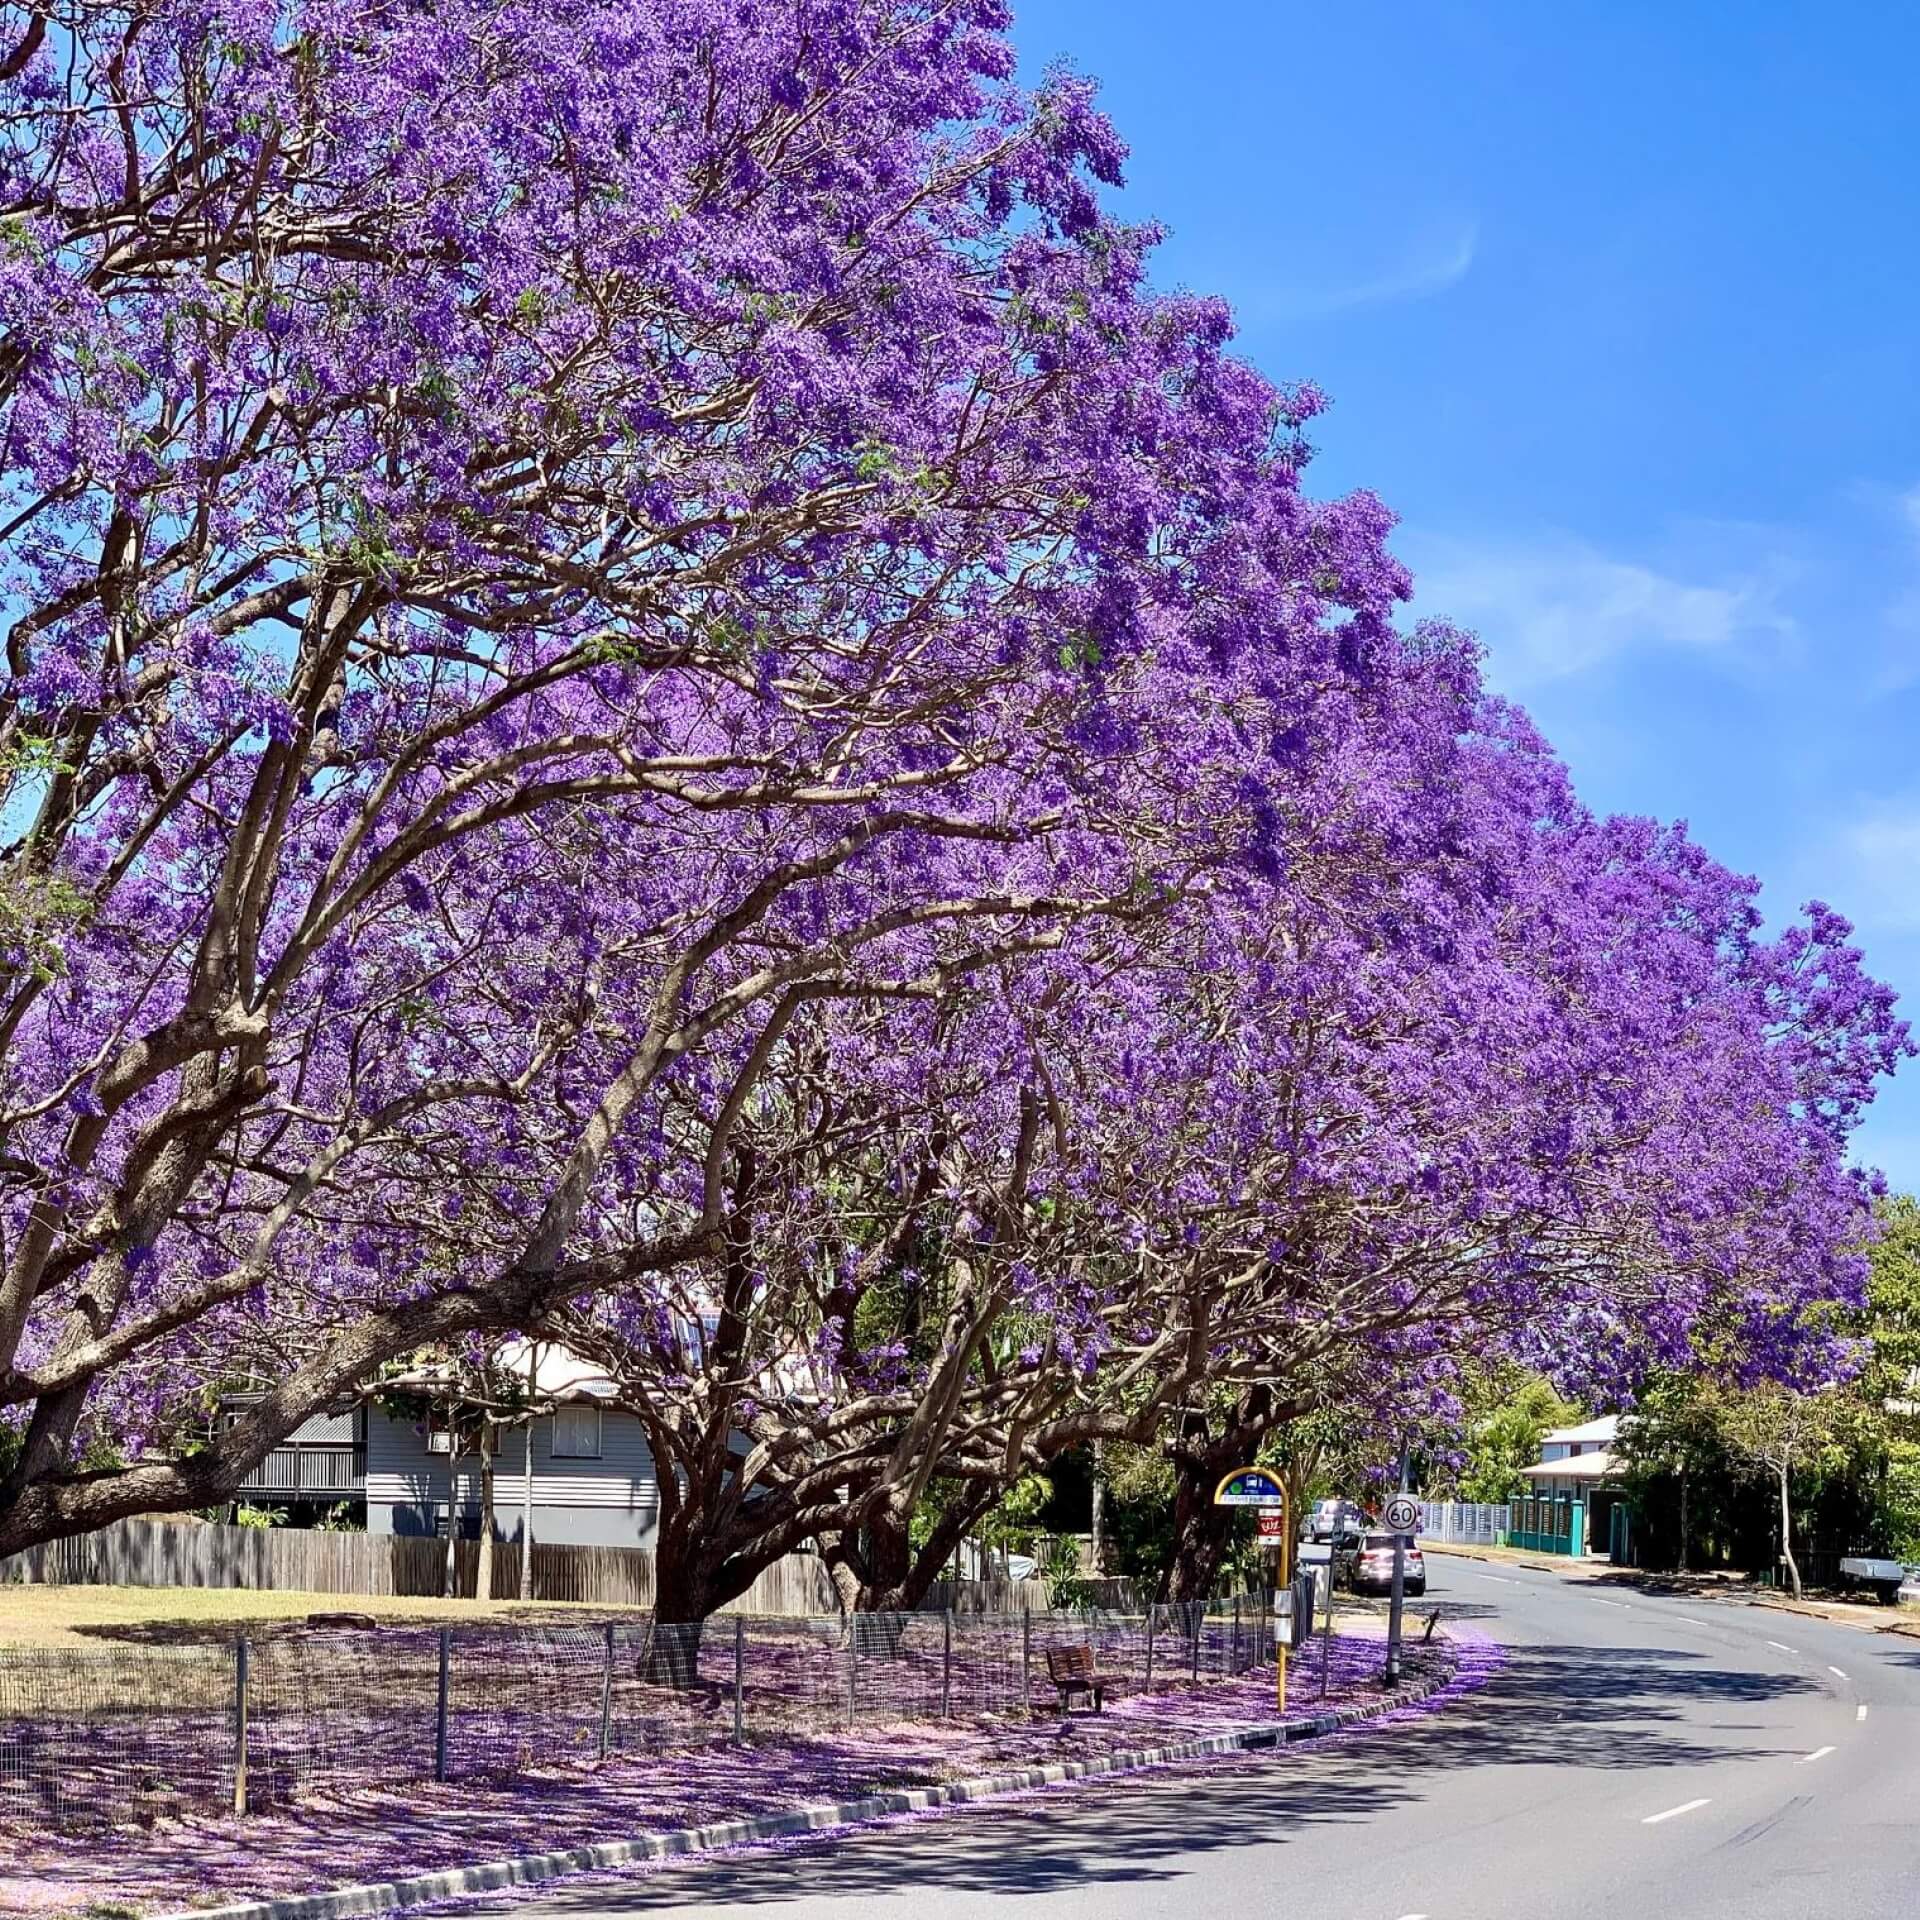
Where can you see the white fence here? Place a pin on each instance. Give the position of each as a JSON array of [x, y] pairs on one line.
[[1463, 1523]]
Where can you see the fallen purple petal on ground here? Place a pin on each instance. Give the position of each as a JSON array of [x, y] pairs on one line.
[[415, 1828]]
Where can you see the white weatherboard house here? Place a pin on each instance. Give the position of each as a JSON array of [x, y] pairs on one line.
[[1568, 1505], [593, 1476]]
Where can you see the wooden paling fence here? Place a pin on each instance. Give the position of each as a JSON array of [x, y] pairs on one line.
[[156, 1553], [1106, 1595], [163, 1553]]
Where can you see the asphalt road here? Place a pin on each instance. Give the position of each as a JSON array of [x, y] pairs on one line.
[[1640, 1756]]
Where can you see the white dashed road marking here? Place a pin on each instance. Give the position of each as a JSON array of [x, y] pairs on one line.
[[1673, 1813], [1780, 1646], [1837, 1674], [1819, 1753], [1860, 1712], [1693, 1620], [1624, 1606]]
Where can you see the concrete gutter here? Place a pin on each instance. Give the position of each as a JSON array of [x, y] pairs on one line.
[[452, 1883]]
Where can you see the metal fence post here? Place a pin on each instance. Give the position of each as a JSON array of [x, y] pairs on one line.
[[946, 1666], [606, 1697], [739, 1679], [1149, 1686], [440, 1708], [1026, 1658], [853, 1663], [1326, 1635], [1233, 1659], [241, 1681], [1197, 1621]]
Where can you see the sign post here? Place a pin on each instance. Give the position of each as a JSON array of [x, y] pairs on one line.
[[1402, 1516], [1256, 1487]]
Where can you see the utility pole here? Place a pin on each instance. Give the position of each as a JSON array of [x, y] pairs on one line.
[[1399, 1586], [526, 1482]]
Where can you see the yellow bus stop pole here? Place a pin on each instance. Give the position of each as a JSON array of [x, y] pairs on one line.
[[1280, 1638]]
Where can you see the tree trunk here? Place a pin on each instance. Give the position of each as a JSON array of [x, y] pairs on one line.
[[526, 1515], [1786, 1536], [873, 1570], [483, 1559], [450, 1579], [685, 1594], [878, 1570], [1099, 1513], [1200, 1535], [1202, 1531]]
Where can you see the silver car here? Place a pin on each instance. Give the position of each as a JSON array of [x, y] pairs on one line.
[[1369, 1567], [1334, 1519]]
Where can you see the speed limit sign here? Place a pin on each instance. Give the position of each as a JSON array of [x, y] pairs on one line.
[[1403, 1514]]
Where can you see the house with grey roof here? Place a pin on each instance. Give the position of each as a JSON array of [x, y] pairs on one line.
[[576, 1466]]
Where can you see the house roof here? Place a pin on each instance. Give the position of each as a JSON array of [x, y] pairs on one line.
[[551, 1372], [1606, 1430], [1576, 1466]]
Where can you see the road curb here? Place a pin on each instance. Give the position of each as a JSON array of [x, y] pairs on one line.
[[451, 1883]]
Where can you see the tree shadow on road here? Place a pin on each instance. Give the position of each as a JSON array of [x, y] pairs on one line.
[[1630, 1710]]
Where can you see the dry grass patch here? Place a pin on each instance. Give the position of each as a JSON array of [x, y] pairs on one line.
[[33, 1616]]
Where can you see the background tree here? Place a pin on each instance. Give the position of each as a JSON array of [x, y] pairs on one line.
[[1779, 1431], [1680, 1474], [1882, 1427], [1505, 1411]]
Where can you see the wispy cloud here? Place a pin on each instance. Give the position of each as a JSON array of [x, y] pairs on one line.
[[1558, 606], [1901, 665], [1875, 871], [1430, 263]]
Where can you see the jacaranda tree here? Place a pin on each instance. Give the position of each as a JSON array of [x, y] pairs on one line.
[[462, 463], [651, 693]]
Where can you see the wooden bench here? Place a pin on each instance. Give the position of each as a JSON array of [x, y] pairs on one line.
[[1071, 1671]]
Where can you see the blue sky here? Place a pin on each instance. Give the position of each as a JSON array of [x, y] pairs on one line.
[[1617, 307]]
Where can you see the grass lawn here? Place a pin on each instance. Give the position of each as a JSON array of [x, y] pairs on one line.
[[33, 1616]]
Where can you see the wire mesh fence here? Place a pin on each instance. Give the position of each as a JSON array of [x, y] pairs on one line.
[[135, 1733]]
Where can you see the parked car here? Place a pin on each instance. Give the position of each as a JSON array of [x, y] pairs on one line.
[[1367, 1567], [1330, 1519]]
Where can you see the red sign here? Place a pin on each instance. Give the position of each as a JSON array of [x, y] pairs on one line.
[[1273, 1526]]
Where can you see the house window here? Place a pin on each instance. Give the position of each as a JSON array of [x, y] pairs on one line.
[[439, 1439], [576, 1433]]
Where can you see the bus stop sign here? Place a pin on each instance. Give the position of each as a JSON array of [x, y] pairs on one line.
[[1250, 1487]]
